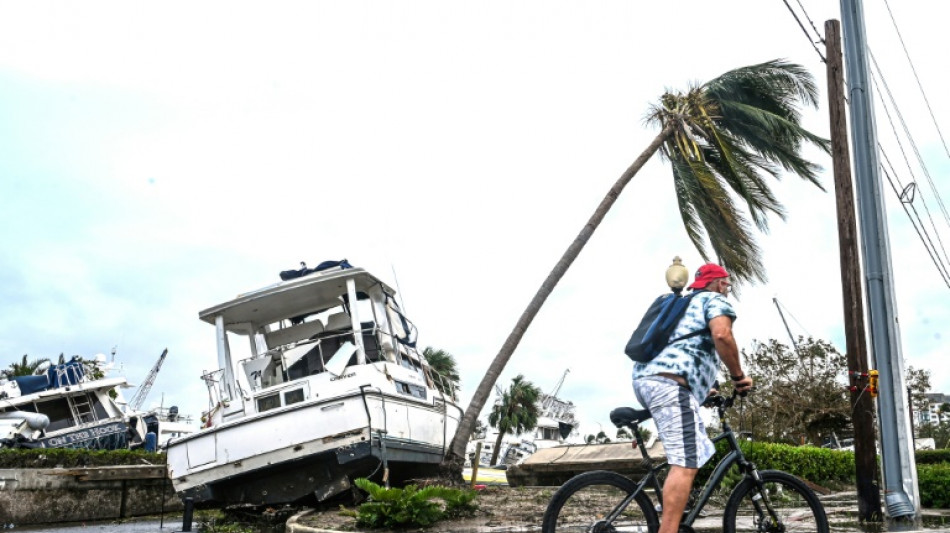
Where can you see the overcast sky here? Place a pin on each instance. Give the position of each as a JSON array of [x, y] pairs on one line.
[[158, 159]]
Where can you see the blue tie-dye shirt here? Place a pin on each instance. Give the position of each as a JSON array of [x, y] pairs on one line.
[[694, 358]]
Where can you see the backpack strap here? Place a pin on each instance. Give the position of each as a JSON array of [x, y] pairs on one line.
[[698, 331]]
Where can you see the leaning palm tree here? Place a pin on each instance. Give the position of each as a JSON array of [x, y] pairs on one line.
[[722, 139], [516, 413], [443, 364]]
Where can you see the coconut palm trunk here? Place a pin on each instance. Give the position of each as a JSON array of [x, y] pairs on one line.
[[719, 138], [467, 424]]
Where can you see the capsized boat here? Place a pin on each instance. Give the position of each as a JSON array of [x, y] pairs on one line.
[[330, 388], [64, 406]]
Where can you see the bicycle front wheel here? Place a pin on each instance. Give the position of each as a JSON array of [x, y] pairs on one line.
[[796, 507], [587, 501]]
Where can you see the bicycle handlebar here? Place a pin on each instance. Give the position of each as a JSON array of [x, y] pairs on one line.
[[724, 402]]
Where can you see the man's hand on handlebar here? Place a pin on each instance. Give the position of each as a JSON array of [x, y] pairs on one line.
[[743, 385]]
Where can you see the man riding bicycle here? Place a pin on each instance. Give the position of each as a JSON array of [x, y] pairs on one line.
[[674, 384]]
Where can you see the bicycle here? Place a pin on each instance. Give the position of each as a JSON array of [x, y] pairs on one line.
[[767, 501]]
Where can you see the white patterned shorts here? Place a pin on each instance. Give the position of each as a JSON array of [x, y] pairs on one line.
[[676, 415]]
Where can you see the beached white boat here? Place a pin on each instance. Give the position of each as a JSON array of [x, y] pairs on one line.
[[64, 407], [331, 389]]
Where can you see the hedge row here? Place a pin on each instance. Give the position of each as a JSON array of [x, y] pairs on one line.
[[818, 465], [73, 458], [822, 466], [932, 457]]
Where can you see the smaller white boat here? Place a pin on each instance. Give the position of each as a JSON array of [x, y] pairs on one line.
[[166, 423], [62, 406], [557, 422]]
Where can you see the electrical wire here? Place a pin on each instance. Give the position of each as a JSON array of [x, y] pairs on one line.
[[919, 85], [810, 21], [804, 30], [915, 218], [913, 144], [935, 259], [857, 401], [892, 177]]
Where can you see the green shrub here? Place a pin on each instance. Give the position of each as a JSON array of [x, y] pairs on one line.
[[932, 483], [818, 465], [411, 506], [931, 457], [74, 458]]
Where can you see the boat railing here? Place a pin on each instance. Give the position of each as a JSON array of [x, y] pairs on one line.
[[212, 380], [444, 384]]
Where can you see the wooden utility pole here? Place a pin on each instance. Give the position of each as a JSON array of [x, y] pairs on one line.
[[865, 460]]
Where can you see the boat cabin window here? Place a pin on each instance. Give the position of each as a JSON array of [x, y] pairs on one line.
[[294, 396], [266, 403], [411, 390], [60, 417], [272, 401]]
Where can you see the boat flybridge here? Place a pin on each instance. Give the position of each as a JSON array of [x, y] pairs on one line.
[[330, 388]]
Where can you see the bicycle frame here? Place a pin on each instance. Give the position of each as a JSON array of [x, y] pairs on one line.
[[733, 457]]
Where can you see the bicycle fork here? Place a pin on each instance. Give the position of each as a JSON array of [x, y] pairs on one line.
[[762, 497]]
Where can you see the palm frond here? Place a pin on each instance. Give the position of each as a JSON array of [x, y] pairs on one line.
[[730, 135], [706, 204]]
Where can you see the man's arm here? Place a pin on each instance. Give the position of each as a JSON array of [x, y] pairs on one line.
[[721, 329]]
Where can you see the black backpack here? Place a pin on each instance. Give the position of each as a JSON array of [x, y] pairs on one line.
[[656, 326]]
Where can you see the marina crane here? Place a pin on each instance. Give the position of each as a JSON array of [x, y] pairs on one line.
[[139, 398]]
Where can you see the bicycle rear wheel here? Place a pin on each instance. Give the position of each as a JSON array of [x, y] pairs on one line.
[[586, 500], [796, 506]]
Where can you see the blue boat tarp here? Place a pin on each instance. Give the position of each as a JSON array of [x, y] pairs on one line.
[[65, 374], [31, 384]]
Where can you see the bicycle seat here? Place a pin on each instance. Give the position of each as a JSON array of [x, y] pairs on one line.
[[626, 416]]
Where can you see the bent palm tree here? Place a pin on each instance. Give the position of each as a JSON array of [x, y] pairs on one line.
[[516, 413], [721, 139]]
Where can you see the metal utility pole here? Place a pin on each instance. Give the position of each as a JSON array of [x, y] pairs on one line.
[[897, 444], [862, 417]]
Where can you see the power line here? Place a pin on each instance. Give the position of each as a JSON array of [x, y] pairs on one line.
[[915, 219], [919, 85], [810, 21], [804, 30], [910, 139], [933, 258]]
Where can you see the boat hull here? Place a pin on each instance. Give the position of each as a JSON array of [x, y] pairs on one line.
[[317, 477], [312, 452]]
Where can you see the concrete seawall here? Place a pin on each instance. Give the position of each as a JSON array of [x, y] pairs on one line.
[[47, 495]]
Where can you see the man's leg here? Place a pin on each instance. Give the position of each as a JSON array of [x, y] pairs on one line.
[[676, 489]]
